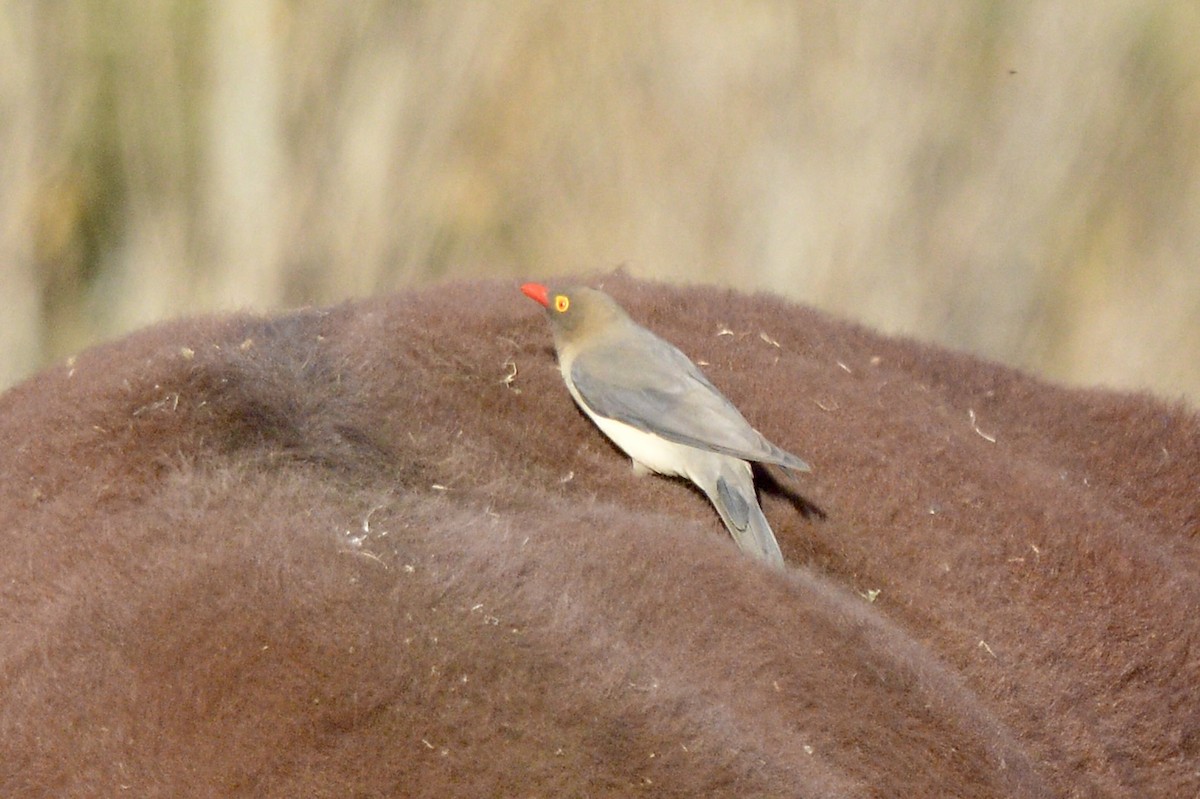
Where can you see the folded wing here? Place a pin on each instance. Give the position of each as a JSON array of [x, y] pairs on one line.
[[649, 384]]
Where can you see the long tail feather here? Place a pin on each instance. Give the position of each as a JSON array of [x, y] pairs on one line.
[[735, 501]]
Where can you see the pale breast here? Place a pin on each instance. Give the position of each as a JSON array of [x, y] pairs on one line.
[[656, 454]]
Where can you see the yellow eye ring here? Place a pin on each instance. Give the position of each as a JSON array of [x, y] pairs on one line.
[[561, 303]]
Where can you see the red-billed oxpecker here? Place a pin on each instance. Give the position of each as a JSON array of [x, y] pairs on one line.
[[657, 406]]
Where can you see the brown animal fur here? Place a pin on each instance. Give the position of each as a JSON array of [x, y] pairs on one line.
[[375, 551]]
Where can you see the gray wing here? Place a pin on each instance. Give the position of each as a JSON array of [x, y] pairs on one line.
[[648, 384]]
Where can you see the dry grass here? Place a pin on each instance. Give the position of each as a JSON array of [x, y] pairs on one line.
[[1018, 179]]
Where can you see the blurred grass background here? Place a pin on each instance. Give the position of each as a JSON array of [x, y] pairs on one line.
[[1018, 179]]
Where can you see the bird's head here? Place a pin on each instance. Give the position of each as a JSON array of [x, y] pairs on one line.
[[575, 312]]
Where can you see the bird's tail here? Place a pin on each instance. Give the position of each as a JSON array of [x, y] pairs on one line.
[[732, 494]]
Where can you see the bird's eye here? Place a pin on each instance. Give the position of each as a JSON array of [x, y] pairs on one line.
[[561, 303]]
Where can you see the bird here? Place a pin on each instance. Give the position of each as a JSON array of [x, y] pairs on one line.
[[657, 406]]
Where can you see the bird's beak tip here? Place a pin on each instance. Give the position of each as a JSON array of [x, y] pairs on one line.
[[537, 292]]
